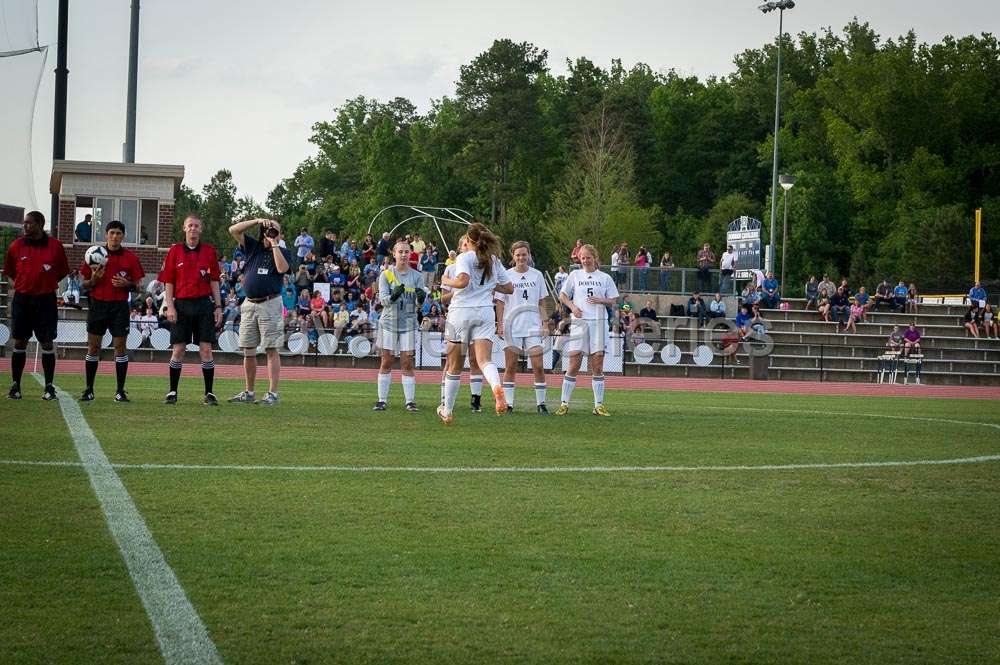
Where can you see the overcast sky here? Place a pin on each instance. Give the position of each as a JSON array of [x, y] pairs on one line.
[[237, 85]]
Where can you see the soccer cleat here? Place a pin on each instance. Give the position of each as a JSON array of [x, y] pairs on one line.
[[270, 399], [210, 400], [87, 396], [599, 410], [477, 405], [171, 398], [500, 399], [510, 409], [543, 410], [379, 406], [50, 393], [563, 409], [243, 397], [446, 418], [15, 392], [122, 396], [412, 407]]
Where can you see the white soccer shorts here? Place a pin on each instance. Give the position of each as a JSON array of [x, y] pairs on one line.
[[397, 342], [588, 336], [466, 324]]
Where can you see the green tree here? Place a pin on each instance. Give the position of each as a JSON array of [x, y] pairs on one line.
[[597, 201]]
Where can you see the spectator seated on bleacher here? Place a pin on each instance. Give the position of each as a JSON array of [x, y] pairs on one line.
[[231, 309], [743, 321], [828, 284], [772, 294], [991, 327], [847, 289], [811, 291], [823, 305], [857, 312], [911, 340], [648, 312], [839, 307], [977, 294], [758, 325], [883, 295], [912, 297], [337, 280], [71, 296], [717, 307], [863, 298], [973, 319], [749, 293], [696, 308], [895, 341], [899, 295]]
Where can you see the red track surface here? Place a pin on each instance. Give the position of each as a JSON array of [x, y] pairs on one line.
[[299, 373]]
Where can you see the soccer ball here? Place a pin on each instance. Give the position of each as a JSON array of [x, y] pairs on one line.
[[96, 256]]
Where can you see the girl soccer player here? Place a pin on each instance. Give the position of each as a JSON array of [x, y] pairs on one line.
[[519, 320], [587, 293], [475, 373], [471, 318]]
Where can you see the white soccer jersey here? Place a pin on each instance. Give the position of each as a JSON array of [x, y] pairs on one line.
[[521, 314], [449, 272], [479, 292], [581, 285]]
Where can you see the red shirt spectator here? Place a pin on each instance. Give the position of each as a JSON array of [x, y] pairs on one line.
[[122, 263], [37, 266], [190, 270], [414, 260]]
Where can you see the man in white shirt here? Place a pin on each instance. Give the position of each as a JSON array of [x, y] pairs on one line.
[[726, 267], [587, 293]]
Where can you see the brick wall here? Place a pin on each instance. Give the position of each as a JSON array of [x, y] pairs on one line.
[[150, 256]]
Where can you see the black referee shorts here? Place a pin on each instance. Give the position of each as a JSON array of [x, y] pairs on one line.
[[34, 314], [108, 315], [195, 321]]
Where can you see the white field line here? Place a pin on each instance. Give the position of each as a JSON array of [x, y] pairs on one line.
[[529, 469], [179, 631]]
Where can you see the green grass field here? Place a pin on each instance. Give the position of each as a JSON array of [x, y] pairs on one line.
[[893, 564]]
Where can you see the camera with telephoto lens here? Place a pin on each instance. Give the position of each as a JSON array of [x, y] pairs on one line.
[[271, 232]]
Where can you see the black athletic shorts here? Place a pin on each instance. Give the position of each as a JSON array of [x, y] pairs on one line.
[[34, 314], [108, 315], [195, 321]]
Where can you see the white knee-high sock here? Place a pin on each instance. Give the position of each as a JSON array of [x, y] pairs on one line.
[[452, 382], [508, 392], [476, 384], [569, 382], [491, 375], [540, 393], [442, 388], [384, 381], [409, 387], [597, 382]]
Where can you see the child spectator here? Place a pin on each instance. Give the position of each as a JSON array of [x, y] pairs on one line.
[[857, 311], [973, 318], [812, 291]]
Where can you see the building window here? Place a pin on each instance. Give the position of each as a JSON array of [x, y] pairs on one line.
[[139, 216]]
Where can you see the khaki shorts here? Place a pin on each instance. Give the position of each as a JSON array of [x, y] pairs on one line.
[[262, 324]]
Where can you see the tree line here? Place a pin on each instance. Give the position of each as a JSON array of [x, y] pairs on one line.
[[894, 143]]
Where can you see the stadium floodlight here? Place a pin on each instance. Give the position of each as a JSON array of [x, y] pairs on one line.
[[776, 4], [786, 181], [781, 6]]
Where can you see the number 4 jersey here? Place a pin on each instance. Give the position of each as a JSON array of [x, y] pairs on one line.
[[581, 285], [521, 315]]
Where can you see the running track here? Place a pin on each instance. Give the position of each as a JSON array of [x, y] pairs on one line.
[[299, 373]]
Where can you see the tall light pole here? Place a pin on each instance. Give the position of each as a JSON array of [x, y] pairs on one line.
[[781, 6], [787, 182]]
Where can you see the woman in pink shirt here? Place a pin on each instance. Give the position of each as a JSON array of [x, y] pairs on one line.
[[857, 311]]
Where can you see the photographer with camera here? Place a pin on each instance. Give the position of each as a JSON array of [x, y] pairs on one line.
[[262, 321]]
